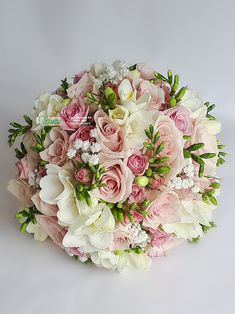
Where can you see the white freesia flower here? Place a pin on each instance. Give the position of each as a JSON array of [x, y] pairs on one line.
[[192, 101], [105, 258], [132, 261], [128, 96], [38, 232], [91, 232], [56, 188], [134, 134], [119, 115], [194, 214], [46, 106], [213, 126]]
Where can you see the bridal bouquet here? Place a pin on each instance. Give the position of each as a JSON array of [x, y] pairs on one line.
[[117, 166]]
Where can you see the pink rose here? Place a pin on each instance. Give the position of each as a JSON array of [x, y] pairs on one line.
[[137, 194], [23, 168], [156, 182], [118, 182], [78, 76], [162, 242], [165, 209], [22, 190], [83, 133], [110, 136], [159, 238], [52, 228], [156, 91], [181, 117], [82, 85], [201, 135], [173, 144], [44, 208], [56, 147], [74, 115], [84, 176], [138, 163]]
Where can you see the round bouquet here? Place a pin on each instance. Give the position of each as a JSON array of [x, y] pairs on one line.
[[117, 166]]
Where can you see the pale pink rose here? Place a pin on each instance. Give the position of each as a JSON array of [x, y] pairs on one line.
[[32, 157], [83, 133], [146, 72], [162, 242], [118, 182], [137, 194], [121, 239], [137, 162], [74, 251], [23, 168], [56, 144], [181, 117], [110, 136], [22, 190], [83, 176], [44, 208], [165, 209], [74, 115], [52, 228], [137, 216], [173, 144], [159, 238], [157, 93], [78, 76], [201, 135]]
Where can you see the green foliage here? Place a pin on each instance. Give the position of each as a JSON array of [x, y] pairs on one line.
[[173, 81], [26, 216], [209, 109], [40, 138], [18, 130]]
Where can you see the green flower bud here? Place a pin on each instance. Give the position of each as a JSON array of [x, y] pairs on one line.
[[149, 172], [141, 181]]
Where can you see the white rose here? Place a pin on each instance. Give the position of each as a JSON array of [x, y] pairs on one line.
[[194, 214], [134, 134], [194, 103], [105, 258], [130, 261]]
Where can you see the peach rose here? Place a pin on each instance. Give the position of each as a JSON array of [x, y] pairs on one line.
[[44, 208], [52, 228], [22, 190], [56, 143], [156, 91], [110, 136], [173, 144], [23, 168], [118, 182], [201, 135], [164, 209]]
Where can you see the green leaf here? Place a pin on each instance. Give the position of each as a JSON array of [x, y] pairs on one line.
[[160, 148], [156, 137], [208, 155], [148, 134], [27, 119], [88, 198], [148, 146], [195, 147], [186, 154]]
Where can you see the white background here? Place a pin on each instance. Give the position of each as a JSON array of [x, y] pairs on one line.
[[42, 42]]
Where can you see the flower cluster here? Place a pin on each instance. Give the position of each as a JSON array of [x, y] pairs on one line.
[[117, 166]]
